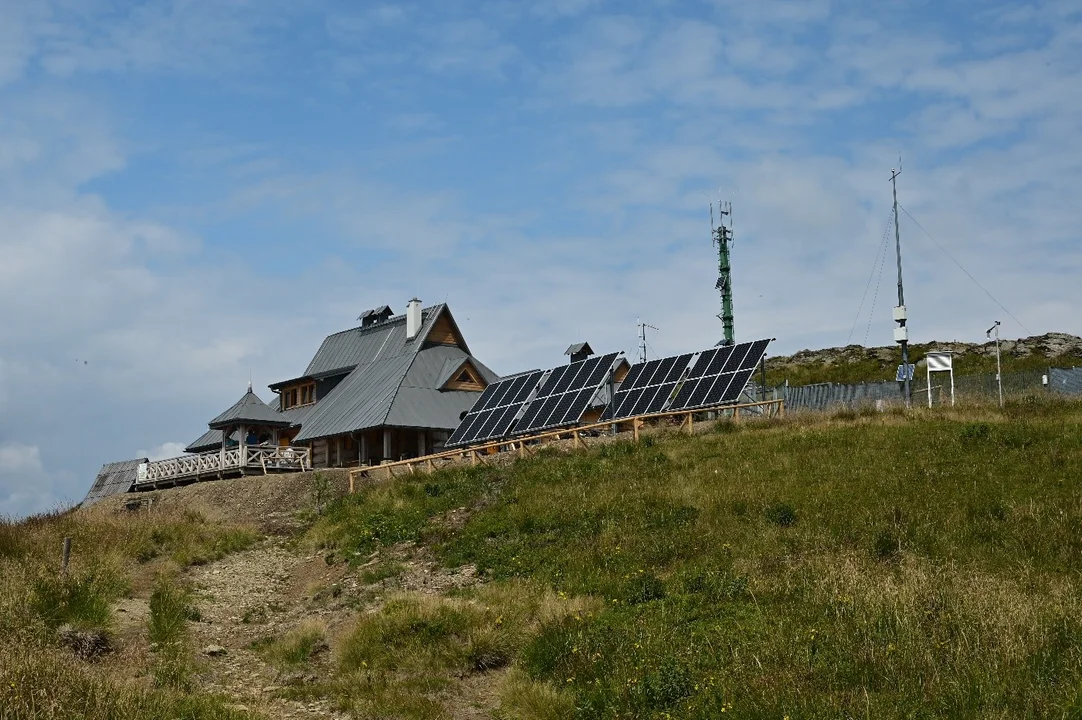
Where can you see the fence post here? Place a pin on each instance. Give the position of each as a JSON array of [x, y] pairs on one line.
[[65, 557]]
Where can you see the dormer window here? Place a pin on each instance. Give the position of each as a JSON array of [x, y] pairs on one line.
[[298, 395], [466, 378]]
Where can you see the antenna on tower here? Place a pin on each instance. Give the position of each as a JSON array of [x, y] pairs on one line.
[[722, 237], [642, 339]]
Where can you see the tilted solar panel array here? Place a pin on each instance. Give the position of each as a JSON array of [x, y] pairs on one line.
[[537, 401], [565, 395], [720, 376], [648, 387], [496, 409]]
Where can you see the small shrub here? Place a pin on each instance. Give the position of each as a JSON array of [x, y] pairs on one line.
[[643, 587], [488, 649], [79, 599], [168, 632], [781, 514], [976, 432], [10, 544], [667, 685], [321, 492], [885, 545], [297, 647], [726, 426]]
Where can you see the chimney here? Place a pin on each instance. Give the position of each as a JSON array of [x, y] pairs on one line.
[[579, 351], [413, 318]]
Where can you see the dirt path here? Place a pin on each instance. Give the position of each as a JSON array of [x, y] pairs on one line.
[[244, 598]]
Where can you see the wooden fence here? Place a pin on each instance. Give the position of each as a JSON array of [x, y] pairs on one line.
[[524, 445]]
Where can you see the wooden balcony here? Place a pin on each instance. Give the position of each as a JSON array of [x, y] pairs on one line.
[[231, 462]]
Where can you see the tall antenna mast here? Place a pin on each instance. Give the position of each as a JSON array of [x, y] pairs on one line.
[[722, 236], [901, 333], [642, 340]]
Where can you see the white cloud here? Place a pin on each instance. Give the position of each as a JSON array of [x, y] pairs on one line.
[[17, 457], [164, 451]]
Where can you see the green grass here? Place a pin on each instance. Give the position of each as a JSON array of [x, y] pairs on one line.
[[296, 648], [355, 525], [39, 678], [44, 684], [907, 565]]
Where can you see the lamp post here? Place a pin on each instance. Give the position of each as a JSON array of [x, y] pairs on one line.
[[999, 367]]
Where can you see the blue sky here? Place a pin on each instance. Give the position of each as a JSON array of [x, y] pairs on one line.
[[192, 191]]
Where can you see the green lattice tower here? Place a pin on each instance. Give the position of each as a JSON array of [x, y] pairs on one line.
[[723, 238]]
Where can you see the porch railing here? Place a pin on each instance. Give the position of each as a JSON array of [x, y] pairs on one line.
[[214, 462]]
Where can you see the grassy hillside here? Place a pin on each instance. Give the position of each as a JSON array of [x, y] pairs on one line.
[[857, 565]]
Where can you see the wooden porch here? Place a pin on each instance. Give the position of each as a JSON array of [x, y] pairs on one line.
[[224, 463]]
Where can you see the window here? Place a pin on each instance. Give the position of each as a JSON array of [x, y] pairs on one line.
[[300, 395]]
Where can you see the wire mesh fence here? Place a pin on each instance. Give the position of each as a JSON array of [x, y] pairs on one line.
[[981, 387]]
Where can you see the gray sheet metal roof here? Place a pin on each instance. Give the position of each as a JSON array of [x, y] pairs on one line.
[[249, 409], [346, 350], [394, 382], [114, 479], [210, 440], [360, 401], [579, 347]]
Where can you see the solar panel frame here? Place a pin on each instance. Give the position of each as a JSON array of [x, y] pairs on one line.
[[504, 399], [736, 360], [720, 359], [485, 398], [737, 386], [598, 373], [664, 392], [703, 362], [461, 434], [632, 375], [550, 382], [678, 367], [726, 386], [578, 406], [647, 377], [498, 428], [568, 378]]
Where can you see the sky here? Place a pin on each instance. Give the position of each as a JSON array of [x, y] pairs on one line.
[[195, 192]]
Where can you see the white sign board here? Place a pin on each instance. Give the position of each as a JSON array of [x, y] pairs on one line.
[[940, 361]]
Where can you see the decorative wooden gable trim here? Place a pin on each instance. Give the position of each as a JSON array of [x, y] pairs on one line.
[[445, 332], [621, 371], [466, 378]]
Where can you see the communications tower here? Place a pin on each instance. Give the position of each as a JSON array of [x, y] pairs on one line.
[[722, 237]]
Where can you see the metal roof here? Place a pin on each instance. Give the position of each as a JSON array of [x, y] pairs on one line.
[[249, 409], [579, 347], [114, 479], [398, 385], [210, 440], [345, 350], [360, 401]]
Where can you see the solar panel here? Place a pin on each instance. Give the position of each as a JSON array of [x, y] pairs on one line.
[[718, 376], [565, 395], [678, 368], [632, 375], [486, 396], [725, 375], [493, 413], [701, 365]]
